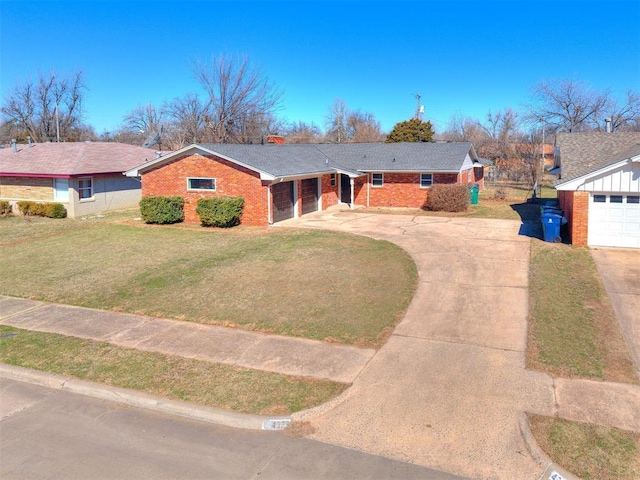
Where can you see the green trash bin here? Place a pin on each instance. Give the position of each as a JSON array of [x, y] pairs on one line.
[[473, 194]]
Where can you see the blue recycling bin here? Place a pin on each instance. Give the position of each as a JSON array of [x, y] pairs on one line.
[[551, 222]]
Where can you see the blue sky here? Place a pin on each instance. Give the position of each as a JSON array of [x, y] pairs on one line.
[[462, 57]]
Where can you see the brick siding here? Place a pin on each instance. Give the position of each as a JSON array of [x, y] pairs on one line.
[[231, 180], [402, 190], [26, 188], [576, 209]]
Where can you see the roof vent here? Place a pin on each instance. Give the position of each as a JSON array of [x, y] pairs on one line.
[[607, 122], [15, 145], [158, 154], [29, 140]]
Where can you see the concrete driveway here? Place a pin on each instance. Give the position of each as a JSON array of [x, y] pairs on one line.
[[449, 388], [619, 269]]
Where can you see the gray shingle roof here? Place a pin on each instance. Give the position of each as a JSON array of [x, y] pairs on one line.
[[81, 158], [299, 159], [584, 153]]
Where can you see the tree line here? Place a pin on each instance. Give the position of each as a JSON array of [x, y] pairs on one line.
[[239, 104]]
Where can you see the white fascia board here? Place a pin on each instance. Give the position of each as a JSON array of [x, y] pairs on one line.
[[192, 149], [576, 183], [425, 170]]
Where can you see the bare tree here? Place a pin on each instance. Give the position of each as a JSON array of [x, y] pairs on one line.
[[186, 121], [567, 105], [238, 94], [624, 116], [47, 109], [301, 132], [336, 122], [144, 119], [363, 127]]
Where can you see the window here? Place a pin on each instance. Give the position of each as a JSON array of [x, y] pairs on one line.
[[633, 199], [333, 179], [426, 180], [599, 198], [201, 184], [85, 188], [615, 199], [377, 179]]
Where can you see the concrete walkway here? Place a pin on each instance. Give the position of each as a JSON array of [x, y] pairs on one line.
[[273, 353], [449, 389]]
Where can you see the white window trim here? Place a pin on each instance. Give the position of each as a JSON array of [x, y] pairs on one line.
[[333, 179], [215, 184], [428, 186], [91, 190], [373, 185]]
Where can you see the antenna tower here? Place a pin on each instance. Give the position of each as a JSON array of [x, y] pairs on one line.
[[419, 107]]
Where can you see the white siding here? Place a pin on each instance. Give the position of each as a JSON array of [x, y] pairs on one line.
[[623, 179]]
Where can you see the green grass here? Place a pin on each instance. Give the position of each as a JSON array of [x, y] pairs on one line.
[[592, 452], [319, 285], [215, 385], [573, 331]]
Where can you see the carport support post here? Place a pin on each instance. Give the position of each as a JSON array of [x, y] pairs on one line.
[[352, 183]]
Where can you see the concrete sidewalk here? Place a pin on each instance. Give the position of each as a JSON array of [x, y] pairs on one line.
[[272, 353]]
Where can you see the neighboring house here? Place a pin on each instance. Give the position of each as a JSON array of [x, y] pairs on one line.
[[599, 187], [86, 177], [279, 182]]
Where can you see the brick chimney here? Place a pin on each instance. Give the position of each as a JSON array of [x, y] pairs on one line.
[[277, 139]]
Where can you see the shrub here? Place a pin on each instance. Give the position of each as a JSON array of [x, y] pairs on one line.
[[162, 210], [500, 194], [5, 208], [448, 198], [54, 210], [222, 212], [35, 209], [25, 207]]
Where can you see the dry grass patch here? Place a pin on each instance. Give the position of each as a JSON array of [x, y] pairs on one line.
[[204, 383], [314, 284], [573, 331], [590, 451]]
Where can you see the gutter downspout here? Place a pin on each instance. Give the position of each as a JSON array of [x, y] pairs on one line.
[[352, 183], [269, 220], [368, 188]]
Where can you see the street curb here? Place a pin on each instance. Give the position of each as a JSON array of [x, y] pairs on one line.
[[539, 455], [144, 400]]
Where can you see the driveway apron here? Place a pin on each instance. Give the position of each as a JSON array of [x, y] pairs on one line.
[[449, 387]]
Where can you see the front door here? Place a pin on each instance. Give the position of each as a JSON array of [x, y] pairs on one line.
[[345, 188]]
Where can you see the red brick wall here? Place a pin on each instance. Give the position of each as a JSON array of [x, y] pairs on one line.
[[231, 180], [576, 209], [329, 193], [402, 190]]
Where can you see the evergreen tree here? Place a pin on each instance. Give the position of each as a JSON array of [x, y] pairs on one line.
[[414, 130]]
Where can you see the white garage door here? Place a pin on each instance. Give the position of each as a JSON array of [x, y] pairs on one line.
[[614, 220]]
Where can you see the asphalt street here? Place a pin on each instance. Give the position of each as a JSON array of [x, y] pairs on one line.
[[50, 434]]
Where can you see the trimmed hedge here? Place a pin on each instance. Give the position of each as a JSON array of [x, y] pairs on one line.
[[162, 210], [221, 212], [36, 209], [5, 208], [448, 197]]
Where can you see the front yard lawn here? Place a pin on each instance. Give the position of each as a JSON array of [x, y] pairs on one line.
[[314, 284]]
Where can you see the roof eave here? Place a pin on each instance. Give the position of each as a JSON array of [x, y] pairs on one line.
[[193, 148], [575, 183]]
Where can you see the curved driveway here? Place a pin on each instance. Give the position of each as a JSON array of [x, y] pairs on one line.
[[449, 387]]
